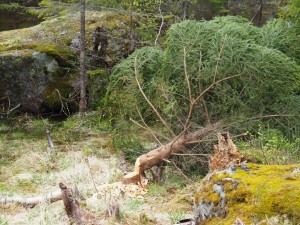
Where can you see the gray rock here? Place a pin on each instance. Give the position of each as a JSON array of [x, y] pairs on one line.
[[297, 170], [26, 76]]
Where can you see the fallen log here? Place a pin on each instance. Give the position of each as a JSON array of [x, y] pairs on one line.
[[32, 201], [162, 153]]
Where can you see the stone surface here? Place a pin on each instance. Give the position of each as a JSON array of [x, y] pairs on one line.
[[26, 78], [259, 195]]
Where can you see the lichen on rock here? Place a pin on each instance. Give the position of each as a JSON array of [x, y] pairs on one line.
[[251, 195]]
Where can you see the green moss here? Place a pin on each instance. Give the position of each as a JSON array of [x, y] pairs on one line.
[[61, 53], [262, 191], [207, 195], [97, 72]]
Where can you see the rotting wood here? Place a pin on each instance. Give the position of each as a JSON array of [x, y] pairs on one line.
[[225, 153], [158, 155], [72, 207], [32, 201]]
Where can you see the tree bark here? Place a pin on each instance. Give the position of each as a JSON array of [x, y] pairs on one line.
[[156, 156], [225, 153], [83, 75], [71, 205], [32, 201]]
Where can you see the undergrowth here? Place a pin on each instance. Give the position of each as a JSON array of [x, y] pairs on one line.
[[270, 146]]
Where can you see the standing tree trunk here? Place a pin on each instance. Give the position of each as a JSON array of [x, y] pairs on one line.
[[260, 19], [83, 75]]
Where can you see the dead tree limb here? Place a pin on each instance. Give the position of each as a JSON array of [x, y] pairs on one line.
[[149, 102], [160, 154], [71, 205], [32, 201]]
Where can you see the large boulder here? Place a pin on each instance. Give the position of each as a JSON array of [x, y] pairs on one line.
[[39, 66], [250, 194], [27, 79]]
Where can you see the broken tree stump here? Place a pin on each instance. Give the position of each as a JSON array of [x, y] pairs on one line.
[[225, 153], [72, 207]]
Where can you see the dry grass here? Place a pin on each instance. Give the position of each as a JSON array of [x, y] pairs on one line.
[[32, 170]]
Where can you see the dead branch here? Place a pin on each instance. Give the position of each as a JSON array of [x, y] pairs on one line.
[[161, 25], [149, 102], [182, 173], [204, 105], [191, 154], [151, 131], [186, 75], [90, 170], [148, 129], [218, 60], [192, 105], [32, 201]]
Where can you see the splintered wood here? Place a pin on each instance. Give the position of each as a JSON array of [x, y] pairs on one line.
[[225, 153]]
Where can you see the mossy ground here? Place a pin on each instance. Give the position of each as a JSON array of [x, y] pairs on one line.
[[264, 191], [54, 36]]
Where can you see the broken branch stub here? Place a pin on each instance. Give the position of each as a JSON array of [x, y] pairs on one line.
[[72, 207]]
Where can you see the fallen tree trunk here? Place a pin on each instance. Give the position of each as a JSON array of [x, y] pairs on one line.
[[32, 201], [156, 156]]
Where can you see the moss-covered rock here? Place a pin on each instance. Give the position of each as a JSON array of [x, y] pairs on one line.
[[25, 78], [254, 194], [29, 78]]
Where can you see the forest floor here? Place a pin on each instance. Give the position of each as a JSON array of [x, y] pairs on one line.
[[83, 157]]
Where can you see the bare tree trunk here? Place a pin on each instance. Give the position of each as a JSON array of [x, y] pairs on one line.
[[83, 75], [260, 19], [71, 205], [156, 156]]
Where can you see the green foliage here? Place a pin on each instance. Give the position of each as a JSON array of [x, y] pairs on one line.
[[128, 141], [97, 82], [51, 8], [11, 7], [63, 54], [135, 204], [156, 189], [123, 87], [215, 50], [92, 120], [291, 13], [279, 35], [3, 221], [270, 146], [176, 216]]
